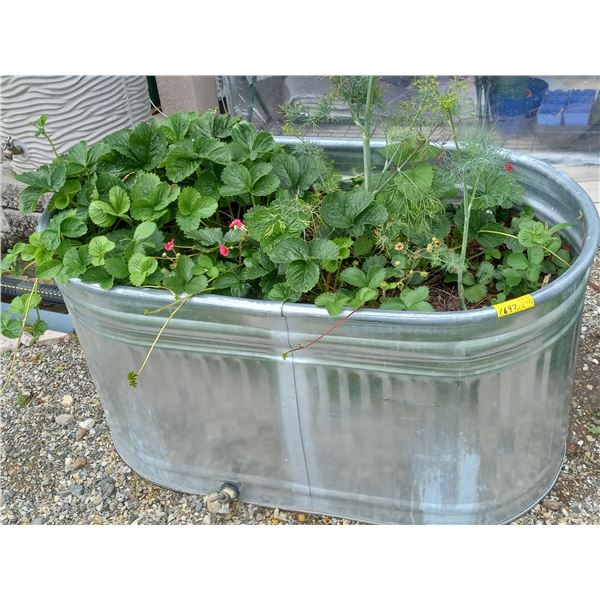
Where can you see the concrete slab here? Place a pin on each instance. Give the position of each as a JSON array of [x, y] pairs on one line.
[[48, 338]]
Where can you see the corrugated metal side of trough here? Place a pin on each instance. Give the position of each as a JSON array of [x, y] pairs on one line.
[[216, 402], [451, 417], [435, 423], [394, 417]]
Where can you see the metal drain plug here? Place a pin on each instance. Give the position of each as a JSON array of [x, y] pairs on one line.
[[218, 503]]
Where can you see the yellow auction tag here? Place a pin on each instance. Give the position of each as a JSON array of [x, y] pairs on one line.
[[510, 307]]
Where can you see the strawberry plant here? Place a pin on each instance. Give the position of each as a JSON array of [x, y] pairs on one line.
[[205, 203]]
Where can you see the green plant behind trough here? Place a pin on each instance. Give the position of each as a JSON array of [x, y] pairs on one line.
[[205, 203]]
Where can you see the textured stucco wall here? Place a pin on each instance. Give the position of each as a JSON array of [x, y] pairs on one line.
[[78, 108]]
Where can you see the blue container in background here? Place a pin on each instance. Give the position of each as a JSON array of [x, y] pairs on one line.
[[550, 113], [513, 115], [582, 96], [579, 108]]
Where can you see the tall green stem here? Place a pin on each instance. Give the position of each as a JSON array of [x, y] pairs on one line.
[[54, 148], [463, 252], [453, 128], [366, 131], [467, 205], [15, 351], [183, 301]]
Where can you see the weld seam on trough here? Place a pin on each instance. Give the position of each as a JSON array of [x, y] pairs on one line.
[[302, 443]]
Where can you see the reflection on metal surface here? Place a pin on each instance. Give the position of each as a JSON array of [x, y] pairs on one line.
[[395, 417]]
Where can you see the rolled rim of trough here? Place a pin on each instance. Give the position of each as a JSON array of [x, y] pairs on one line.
[[549, 293]]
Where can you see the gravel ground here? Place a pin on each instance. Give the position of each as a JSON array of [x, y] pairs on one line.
[[58, 463]]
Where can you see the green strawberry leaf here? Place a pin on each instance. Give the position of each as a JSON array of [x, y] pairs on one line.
[[340, 209], [98, 247], [175, 127], [104, 214], [234, 236], [297, 175], [10, 258], [212, 150], [415, 182], [11, 327], [98, 275], [535, 254], [207, 236], [334, 303], [192, 208], [355, 277], [283, 217], [362, 296], [533, 273], [48, 178], [376, 214], [375, 276], [237, 180], [416, 299], [512, 276], [208, 184], [196, 285], [249, 144], [18, 305], [532, 233], [49, 269], [71, 225], [492, 235], [284, 293], [485, 273], [323, 249], [64, 224], [287, 170], [182, 161], [140, 267], [302, 275], [285, 250], [475, 293], [117, 267], [264, 182], [38, 328], [150, 197], [144, 230], [29, 197], [517, 260], [185, 267], [61, 199], [147, 146]]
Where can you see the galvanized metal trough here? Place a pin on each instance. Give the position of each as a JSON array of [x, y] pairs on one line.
[[395, 417]]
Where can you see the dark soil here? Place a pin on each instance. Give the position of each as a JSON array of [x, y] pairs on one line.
[[444, 297]]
